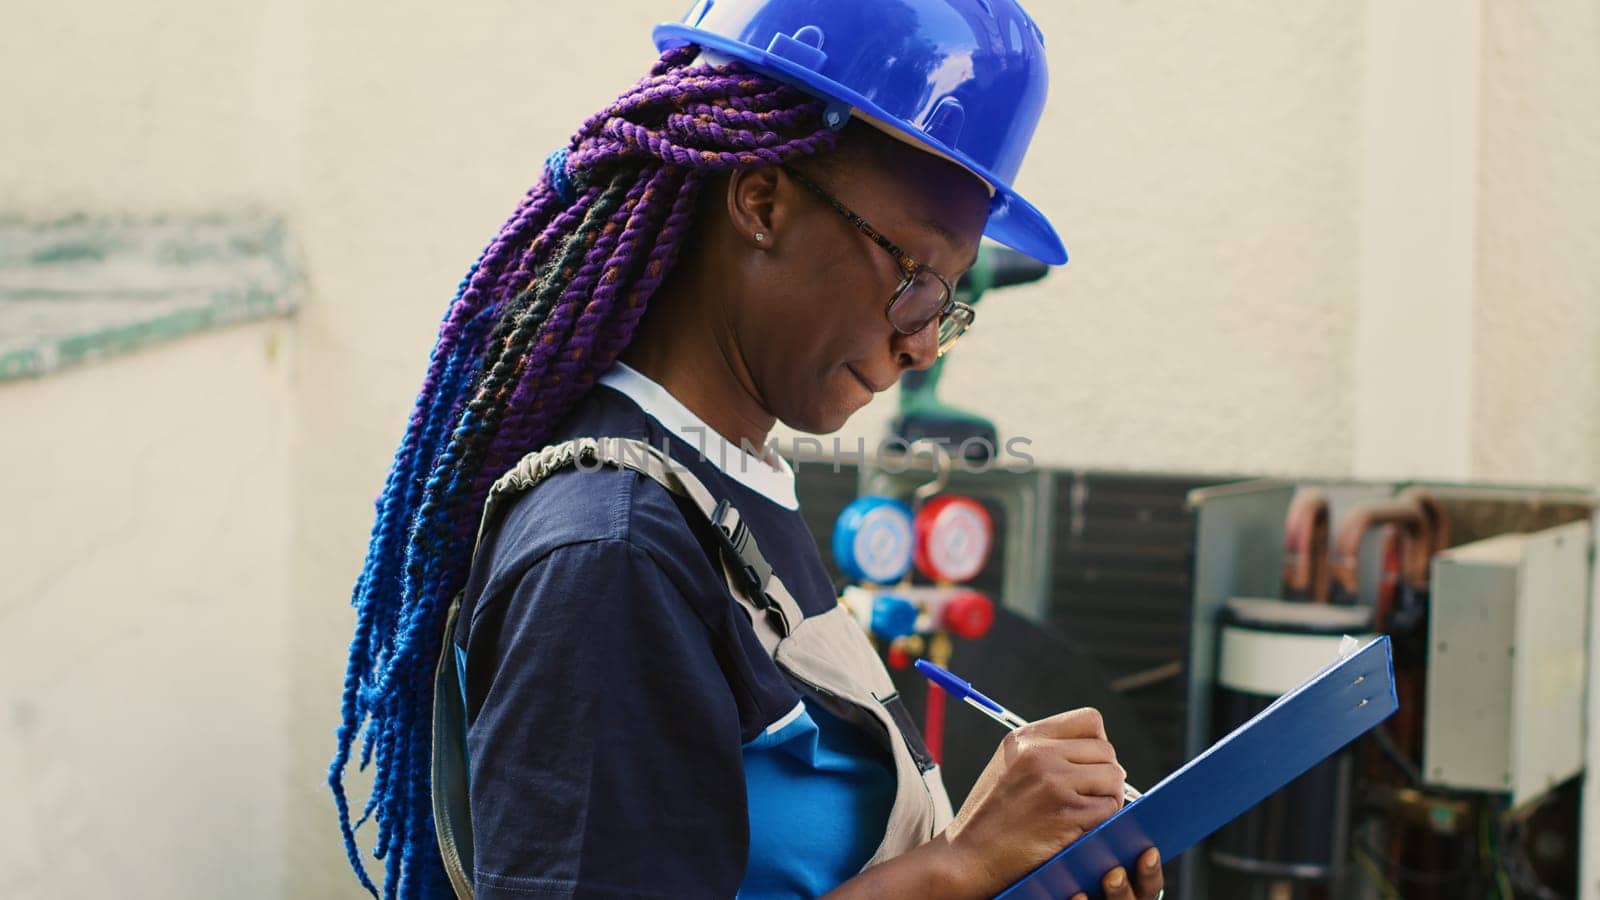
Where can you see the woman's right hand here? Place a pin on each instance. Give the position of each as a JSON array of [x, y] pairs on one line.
[[1048, 784]]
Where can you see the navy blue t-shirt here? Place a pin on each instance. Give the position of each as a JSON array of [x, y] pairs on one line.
[[615, 689]]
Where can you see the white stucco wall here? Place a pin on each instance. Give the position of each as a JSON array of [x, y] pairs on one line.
[[1536, 362], [1211, 167], [170, 106], [144, 645], [143, 623]]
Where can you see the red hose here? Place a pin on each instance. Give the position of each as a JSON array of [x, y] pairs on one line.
[[933, 723]]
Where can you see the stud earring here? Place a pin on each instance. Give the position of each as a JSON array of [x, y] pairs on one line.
[[760, 236]]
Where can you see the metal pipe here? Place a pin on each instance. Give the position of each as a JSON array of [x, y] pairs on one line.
[[1305, 546], [1438, 521], [1408, 518]]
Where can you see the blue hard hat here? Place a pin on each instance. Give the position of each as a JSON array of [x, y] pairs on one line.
[[961, 78]]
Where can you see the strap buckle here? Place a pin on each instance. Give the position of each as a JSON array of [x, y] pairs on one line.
[[740, 550], [746, 563]]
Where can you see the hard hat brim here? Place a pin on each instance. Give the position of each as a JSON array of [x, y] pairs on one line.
[[1013, 221]]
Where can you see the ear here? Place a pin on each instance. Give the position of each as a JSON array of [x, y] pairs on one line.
[[754, 207]]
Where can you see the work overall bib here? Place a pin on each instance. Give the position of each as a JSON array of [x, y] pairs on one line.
[[828, 656]]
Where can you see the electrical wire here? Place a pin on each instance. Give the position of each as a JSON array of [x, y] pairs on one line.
[[1420, 876], [1396, 758], [1376, 876], [1486, 854], [1515, 869]]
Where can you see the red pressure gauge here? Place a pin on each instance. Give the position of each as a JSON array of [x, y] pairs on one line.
[[953, 538]]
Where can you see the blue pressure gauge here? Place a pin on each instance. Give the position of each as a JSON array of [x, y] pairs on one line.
[[872, 540]]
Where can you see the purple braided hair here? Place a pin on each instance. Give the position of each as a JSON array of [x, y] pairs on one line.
[[550, 304]]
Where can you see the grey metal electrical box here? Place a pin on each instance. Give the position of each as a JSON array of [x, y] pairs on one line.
[[1508, 619]]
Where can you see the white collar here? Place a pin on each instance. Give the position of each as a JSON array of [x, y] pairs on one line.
[[773, 480]]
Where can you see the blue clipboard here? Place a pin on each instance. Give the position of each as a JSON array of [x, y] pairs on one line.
[[1283, 742]]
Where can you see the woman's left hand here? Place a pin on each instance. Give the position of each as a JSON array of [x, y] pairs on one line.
[[1147, 884]]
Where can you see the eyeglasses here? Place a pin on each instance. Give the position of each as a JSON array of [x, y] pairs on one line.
[[923, 295]]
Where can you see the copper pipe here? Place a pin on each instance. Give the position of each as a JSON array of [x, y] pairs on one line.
[[1390, 554], [1408, 518], [1305, 546], [1438, 521]]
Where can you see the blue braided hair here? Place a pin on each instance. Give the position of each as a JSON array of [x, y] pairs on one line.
[[549, 305]]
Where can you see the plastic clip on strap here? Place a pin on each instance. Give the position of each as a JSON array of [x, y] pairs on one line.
[[745, 561]]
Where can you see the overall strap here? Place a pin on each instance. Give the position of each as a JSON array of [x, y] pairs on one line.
[[772, 609], [452, 820]]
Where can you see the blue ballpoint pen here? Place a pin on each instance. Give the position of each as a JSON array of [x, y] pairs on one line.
[[964, 691]]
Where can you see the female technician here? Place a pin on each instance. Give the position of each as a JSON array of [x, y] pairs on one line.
[[656, 695]]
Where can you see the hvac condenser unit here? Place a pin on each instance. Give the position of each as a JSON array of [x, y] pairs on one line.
[[1506, 666]]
